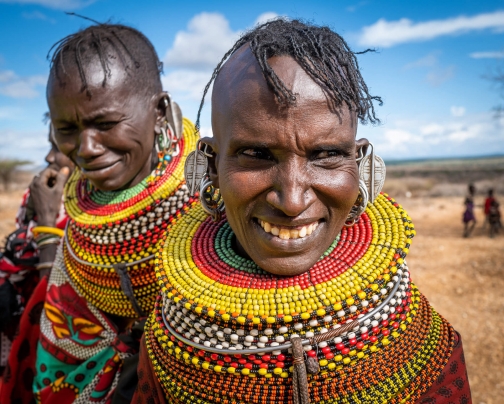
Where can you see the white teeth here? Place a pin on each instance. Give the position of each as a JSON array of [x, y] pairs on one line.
[[309, 230], [284, 234], [287, 234]]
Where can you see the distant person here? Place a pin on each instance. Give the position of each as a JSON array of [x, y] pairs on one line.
[[488, 203], [468, 218], [494, 218], [27, 254]]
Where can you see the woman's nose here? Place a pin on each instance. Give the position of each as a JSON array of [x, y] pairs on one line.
[[291, 193], [89, 144], [51, 156]]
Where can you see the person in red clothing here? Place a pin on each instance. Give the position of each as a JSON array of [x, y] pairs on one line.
[[23, 261], [488, 204]]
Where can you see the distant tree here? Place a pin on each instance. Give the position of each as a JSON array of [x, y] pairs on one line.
[[8, 167]]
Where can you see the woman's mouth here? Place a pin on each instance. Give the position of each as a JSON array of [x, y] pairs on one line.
[[288, 232]]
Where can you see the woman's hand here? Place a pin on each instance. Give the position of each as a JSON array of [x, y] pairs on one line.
[[46, 191]]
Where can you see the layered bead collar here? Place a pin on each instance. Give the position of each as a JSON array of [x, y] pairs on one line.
[[218, 313], [122, 227]]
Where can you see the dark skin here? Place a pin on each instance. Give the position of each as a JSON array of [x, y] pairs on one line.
[[46, 191], [291, 167], [110, 136]]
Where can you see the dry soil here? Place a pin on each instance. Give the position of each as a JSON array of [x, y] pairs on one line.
[[462, 277]]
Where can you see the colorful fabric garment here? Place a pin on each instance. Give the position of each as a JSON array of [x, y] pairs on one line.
[[18, 275], [468, 215], [103, 280], [18, 377], [219, 301]]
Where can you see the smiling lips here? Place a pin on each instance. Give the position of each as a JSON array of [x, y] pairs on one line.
[[287, 233], [98, 168]]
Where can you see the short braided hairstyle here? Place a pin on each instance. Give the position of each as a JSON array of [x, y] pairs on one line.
[[322, 53], [109, 42]]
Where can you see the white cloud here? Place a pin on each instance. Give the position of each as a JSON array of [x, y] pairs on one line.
[[356, 6], [467, 135], [37, 15], [427, 61], [440, 75], [11, 85], [186, 83], [24, 144], [457, 111], [487, 55], [389, 33], [206, 131], [265, 17], [207, 38], [11, 113], [56, 4]]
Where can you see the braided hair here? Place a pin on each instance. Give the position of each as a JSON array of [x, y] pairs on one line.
[[322, 53], [108, 42]]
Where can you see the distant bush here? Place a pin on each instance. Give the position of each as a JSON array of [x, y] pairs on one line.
[[7, 169]]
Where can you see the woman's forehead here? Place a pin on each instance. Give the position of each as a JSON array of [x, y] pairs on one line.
[[243, 102]]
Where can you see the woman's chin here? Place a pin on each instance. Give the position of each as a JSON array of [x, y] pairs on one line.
[[287, 256], [287, 266]]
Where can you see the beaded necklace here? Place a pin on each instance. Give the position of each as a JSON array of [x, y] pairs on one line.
[[121, 227], [214, 302]]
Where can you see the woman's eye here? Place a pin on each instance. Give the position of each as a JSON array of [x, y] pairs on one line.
[[324, 154], [257, 153], [106, 125], [67, 130]]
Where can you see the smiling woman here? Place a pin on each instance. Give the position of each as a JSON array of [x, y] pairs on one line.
[[129, 142], [300, 291]]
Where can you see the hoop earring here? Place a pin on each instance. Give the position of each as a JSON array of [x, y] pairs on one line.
[[211, 199], [359, 206], [197, 179]]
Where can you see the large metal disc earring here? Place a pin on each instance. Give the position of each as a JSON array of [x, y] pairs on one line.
[[359, 206], [195, 168], [372, 171]]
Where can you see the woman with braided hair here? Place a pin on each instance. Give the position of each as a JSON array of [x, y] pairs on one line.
[[129, 142], [296, 289]]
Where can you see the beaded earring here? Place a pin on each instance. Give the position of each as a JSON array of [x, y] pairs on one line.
[[371, 179], [167, 142], [197, 178]]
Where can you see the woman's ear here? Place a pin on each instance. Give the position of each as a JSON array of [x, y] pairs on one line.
[[210, 148], [361, 147], [159, 104]]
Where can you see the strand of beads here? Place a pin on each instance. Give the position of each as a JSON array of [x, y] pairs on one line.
[[87, 213], [107, 228], [197, 278], [220, 300]]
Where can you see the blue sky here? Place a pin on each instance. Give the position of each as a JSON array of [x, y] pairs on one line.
[[430, 66]]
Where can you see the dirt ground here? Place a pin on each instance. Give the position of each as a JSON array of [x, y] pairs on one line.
[[462, 278]]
